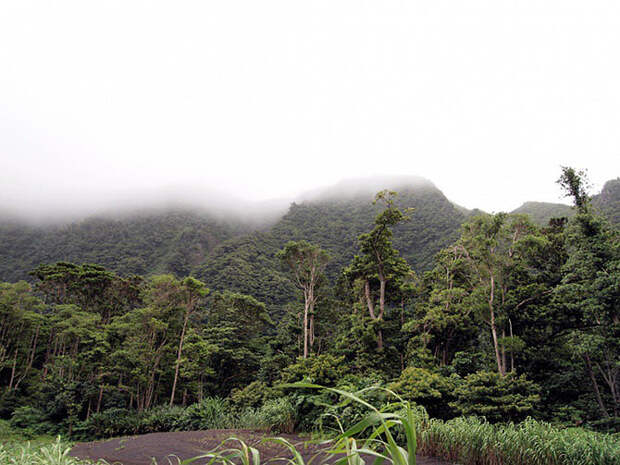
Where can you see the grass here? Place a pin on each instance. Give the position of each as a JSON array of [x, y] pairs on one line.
[[393, 433], [39, 452], [43, 450], [473, 441], [397, 431]]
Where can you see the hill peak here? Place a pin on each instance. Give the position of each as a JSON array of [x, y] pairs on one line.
[[367, 187]]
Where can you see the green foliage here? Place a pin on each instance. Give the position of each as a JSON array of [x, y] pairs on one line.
[[426, 388], [542, 212], [152, 243], [278, 415], [608, 201], [210, 413], [325, 369], [506, 295], [495, 397], [251, 396], [31, 421], [42, 453], [472, 441]]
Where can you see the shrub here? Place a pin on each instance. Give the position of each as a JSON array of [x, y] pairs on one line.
[[251, 396], [324, 369], [427, 388], [279, 415], [161, 419], [210, 413], [109, 423], [31, 421], [495, 397]]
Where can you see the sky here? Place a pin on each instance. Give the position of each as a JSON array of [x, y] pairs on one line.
[[101, 102]]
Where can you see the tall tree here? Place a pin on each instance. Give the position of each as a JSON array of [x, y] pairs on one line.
[[379, 261], [494, 247], [186, 297], [307, 262], [590, 290]]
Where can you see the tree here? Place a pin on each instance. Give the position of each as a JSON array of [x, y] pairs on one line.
[[20, 330], [186, 296], [236, 329], [90, 287], [443, 315], [379, 260], [307, 262], [498, 398], [590, 291], [495, 248]]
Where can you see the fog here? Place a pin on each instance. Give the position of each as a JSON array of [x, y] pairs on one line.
[[244, 106]]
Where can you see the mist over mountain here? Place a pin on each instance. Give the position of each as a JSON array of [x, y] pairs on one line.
[[231, 243]]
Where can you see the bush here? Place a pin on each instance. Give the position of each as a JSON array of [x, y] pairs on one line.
[[31, 421], [325, 370], [495, 397], [279, 415], [252, 396], [161, 419], [109, 423], [210, 413], [426, 388]]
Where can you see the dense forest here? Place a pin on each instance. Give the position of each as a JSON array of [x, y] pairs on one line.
[[503, 316]]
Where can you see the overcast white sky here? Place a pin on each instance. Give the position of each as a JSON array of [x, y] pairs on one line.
[[486, 98]]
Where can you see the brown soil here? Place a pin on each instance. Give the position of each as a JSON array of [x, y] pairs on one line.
[[171, 448]]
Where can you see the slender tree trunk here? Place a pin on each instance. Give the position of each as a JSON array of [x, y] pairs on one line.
[[382, 283], [30, 358], [512, 355], [13, 371], [311, 330], [498, 358], [306, 329], [504, 364], [101, 398], [178, 364], [369, 302], [597, 392]]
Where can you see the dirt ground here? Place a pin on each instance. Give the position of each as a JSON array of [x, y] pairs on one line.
[[171, 448]]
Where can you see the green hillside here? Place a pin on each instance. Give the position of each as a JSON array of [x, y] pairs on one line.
[[248, 265], [608, 201], [542, 212], [158, 242], [232, 254]]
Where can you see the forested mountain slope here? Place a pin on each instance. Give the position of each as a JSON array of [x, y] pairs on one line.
[[333, 220], [156, 242], [232, 254], [542, 212], [608, 201]]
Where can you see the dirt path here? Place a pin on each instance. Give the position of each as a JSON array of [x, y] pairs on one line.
[[165, 448]]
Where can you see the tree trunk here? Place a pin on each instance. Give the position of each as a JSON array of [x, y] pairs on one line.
[[178, 364], [369, 302], [101, 398], [498, 358], [382, 283], [306, 329], [311, 330], [597, 392]]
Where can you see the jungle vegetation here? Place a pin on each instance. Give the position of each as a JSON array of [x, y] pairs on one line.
[[486, 315]]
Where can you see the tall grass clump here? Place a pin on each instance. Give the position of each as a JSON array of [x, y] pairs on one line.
[[56, 453], [397, 431], [473, 441]]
